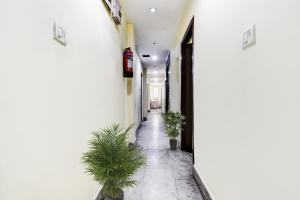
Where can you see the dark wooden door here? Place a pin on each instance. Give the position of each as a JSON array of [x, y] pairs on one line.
[[167, 84], [187, 104]]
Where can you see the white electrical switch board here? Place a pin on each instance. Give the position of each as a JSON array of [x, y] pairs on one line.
[[59, 34], [249, 37]]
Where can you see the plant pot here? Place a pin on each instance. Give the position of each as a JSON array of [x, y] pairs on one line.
[[101, 196], [121, 197], [173, 144]]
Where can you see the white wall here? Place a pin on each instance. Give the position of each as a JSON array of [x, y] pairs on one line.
[[138, 89], [175, 81], [53, 96], [133, 94], [247, 107], [145, 93]]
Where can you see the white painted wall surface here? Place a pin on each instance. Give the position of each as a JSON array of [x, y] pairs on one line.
[[175, 84], [145, 93], [133, 87], [247, 106], [138, 89], [53, 96]]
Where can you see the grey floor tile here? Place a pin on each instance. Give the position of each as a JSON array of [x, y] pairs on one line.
[[159, 184], [167, 174], [182, 170], [188, 190]]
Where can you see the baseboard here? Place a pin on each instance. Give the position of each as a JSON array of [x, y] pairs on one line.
[[201, 186], [136, 134]]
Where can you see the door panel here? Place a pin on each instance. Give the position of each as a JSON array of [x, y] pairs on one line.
[[187, 97]]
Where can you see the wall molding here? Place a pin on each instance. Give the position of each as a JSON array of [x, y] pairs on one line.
[[201, 186]]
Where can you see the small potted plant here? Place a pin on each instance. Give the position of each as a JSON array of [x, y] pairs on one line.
[[173, 122], [112, 162]]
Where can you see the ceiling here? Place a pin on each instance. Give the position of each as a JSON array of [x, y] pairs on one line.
[[156, 75], [159, 27]]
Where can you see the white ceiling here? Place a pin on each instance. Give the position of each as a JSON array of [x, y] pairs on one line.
[[159, 27], [156, 75]]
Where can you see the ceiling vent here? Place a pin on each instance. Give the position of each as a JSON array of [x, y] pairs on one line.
[[146, 56]]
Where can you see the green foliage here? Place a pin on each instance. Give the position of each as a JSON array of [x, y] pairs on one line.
[[111, 161], [173, 122]]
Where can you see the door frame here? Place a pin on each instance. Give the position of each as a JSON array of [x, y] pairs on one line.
[[167, 84], [187, 36]]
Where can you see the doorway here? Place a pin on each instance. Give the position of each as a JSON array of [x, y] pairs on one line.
[[187, 96], [156, 96]]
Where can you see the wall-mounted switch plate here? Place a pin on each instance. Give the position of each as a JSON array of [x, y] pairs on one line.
[[249, 37], [59, 34]]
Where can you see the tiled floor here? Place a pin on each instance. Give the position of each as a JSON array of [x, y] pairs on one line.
[[168, 174]]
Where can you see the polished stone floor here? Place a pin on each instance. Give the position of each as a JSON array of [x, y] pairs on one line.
[[167, 174]]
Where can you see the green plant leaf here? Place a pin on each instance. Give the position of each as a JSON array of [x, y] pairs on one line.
[[173, 122], [111, 161]]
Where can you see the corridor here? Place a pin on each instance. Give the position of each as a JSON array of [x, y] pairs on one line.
[[167, 175], [74, 73]]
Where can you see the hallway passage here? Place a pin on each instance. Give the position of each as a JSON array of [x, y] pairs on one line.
[[167, 174]]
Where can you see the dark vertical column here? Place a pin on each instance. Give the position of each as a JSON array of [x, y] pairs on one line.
[[167, 84], [187, 108], [187, 96]]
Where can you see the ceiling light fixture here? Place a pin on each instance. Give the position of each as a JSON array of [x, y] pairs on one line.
[[154, 58], [153, 10]]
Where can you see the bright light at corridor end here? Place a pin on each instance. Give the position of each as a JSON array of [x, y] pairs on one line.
[[154, 58], [153, 10]]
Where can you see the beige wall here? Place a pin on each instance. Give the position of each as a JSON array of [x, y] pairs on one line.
[[247, 107], [133, 87], [53, 96]]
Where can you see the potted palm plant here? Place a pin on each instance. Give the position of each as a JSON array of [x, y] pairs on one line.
[[173, 122], [112, 162]]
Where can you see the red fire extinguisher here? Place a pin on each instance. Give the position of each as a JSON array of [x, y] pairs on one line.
[[128, 63]]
